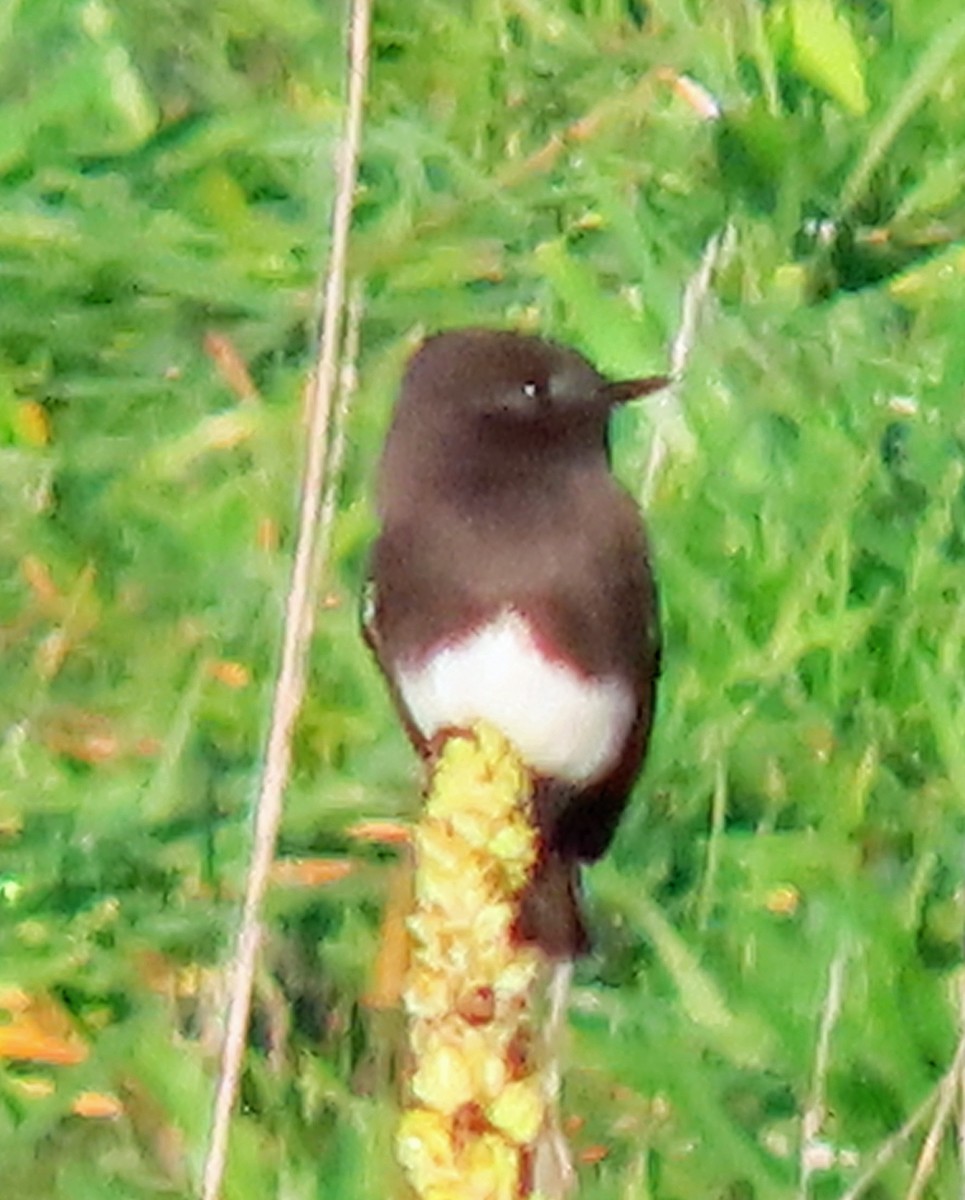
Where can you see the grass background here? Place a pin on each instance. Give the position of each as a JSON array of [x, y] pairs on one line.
[[165, 182]]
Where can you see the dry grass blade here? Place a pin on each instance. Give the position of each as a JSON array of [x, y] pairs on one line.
[[718, 818], [949, 1092], [930, 1147], [669, 426], [889, 1148], [347, 382], [941, 1097], [290, 683], [814, 1113], [961, 1090]]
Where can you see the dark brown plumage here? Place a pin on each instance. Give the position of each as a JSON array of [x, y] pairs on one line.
[[512, 582]]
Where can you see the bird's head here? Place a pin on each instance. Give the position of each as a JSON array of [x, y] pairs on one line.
[[493, 412], [510, 380]]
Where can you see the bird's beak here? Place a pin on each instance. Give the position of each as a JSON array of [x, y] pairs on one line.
[[632, 389]]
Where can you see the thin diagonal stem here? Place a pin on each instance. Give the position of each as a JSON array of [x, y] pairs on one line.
[[299, 618]]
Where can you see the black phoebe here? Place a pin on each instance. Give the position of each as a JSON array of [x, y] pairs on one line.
[[511, 583]]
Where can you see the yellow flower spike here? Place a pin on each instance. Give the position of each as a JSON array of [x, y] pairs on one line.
[[428, 995], [424, 1146], [518, 1111], [476, 828], [490, 1169], [472, 1119], [443, 1079]]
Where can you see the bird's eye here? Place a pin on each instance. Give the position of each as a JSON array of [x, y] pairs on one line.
[[526, 399]]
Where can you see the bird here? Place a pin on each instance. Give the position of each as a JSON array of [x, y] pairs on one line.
[[511, 582]]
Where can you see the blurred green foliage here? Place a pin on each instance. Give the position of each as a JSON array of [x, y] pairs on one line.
[[165, 179]]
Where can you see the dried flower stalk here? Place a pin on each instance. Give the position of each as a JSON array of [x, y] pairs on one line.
[[476, 1097]]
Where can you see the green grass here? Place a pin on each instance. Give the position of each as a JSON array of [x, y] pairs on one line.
[[165, 174]]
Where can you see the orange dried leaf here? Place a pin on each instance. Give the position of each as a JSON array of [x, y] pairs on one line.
[[590, 1155], [94, 749], [392, 959], [310, 872], [38, 578], [85, 736], [234, 675], [97, 1105], [692, 93], [230, 365], [25, 1040], [41, 1029], [383, 833]]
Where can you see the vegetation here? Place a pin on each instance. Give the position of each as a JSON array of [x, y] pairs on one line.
[[777, 984]]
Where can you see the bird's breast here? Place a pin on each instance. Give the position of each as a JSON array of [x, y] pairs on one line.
[[565, 724]]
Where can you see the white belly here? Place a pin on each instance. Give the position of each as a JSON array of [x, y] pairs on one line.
[[564, 725]]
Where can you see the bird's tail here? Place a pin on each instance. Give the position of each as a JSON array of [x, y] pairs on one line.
[[549, 913]]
